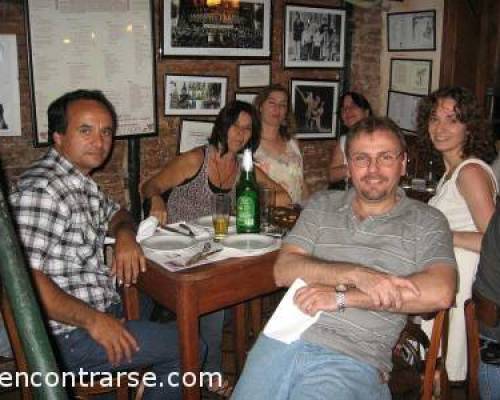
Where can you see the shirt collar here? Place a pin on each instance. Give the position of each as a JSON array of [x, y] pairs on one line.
[[69, 169], [396, 210]]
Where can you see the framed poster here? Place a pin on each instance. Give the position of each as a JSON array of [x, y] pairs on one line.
[[411, 76], [10, 104], [314, 104], [194, 94], [254, 75], [314, 37], [411, 31], [246, 97], [93, 45], [402, 109], [194, 134], [217, 28]]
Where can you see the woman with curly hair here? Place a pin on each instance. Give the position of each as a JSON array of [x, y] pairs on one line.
[[450, 120]]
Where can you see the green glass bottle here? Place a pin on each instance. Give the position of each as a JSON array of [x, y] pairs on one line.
[[247, 198]]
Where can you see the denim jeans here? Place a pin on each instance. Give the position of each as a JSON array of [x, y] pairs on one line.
[[489, 379], [304, 371], [158, 350]]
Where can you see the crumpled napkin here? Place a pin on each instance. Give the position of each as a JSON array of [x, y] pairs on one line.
[[146, 229], [288, 322], [200, 232]]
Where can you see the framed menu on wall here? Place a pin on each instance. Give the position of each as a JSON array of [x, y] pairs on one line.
[[105, 45]]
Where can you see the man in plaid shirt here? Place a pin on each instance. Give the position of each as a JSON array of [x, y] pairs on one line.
[[62, 219]]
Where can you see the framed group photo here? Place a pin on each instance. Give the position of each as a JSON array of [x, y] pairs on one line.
[[314, 104], [314, 37], [411, 31], [411, 76], [194, 95], [217, 29]]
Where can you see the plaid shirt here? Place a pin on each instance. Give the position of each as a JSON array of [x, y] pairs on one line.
[[62, 219]]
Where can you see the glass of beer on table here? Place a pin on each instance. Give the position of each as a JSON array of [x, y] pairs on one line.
[[220, 216]]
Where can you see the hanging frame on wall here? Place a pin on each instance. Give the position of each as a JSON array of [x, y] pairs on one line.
[[411, 31], [83, 46], [227, 29]]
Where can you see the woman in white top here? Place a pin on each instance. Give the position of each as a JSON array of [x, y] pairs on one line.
[[450, 119], [278, 156], [353, 107]]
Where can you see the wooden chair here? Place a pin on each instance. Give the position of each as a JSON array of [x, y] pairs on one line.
[[419, 380], [433, 362], [79, 392], [477, 310]]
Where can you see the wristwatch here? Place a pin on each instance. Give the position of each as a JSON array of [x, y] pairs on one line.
[[340, 299]]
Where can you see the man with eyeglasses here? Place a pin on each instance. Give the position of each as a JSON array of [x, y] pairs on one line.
[[369, 256]]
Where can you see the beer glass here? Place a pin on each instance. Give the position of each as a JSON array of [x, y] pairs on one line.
[[267, 205], [220, 215]]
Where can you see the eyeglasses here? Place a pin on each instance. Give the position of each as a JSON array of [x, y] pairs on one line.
[[387, 159]]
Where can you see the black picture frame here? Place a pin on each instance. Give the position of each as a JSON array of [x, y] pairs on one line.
[[317, 34], [77, 62], [314, 104], [402, 109], [409, 75], [194, 29], [198, 95], [411, 31]]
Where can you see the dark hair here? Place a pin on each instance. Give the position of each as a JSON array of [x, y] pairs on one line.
[[371, 124], [287, 128], [58, 121], [479, 140], [358, 99], [226, 118]]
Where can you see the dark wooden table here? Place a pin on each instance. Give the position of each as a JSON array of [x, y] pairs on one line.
[[201, 290]]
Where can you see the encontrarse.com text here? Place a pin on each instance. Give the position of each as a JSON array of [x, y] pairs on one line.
[[106, 379]]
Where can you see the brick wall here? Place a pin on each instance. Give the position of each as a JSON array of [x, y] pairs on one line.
[[16, 153]]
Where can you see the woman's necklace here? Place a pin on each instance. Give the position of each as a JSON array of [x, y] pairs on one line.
[[223, 181]]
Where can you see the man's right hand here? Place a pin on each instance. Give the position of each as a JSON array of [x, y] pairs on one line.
[[384, 290], [158, 209], [111, 334]]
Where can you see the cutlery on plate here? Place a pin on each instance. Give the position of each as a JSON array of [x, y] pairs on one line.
[[196, 256], [174, 230], [187, 228], [203, 256]]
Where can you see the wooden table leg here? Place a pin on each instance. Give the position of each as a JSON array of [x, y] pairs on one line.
[[187, 324], [256, 316], [240, 339]]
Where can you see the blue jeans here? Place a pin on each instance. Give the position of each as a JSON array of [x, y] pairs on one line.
[[211, 330], [489, 377], [304, 371], [158, 350]]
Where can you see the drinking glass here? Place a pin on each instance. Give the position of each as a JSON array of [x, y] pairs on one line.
[[220, 215], [267, 205]]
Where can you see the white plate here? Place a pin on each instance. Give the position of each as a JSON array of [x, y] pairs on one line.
[[248, 241], [206, 222], [167, 243]]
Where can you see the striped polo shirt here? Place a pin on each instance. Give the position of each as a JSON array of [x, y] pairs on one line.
[[405, 240]]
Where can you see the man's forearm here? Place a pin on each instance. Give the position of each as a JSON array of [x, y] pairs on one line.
[[122, 221], [290, 266], [60, 306]]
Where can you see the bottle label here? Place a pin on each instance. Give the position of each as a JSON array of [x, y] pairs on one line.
[[246, 212]]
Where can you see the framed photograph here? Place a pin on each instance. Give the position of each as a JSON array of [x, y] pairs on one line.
[[254, 75], [194, 95], [314, 104], [402, 109], [411, 76], [194, 134], [10, 103], [314, 37], [246, 97], [411, 31], [217, 28], [107, 45]]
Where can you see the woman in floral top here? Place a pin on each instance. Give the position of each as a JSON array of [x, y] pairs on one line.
[[278, 156]]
